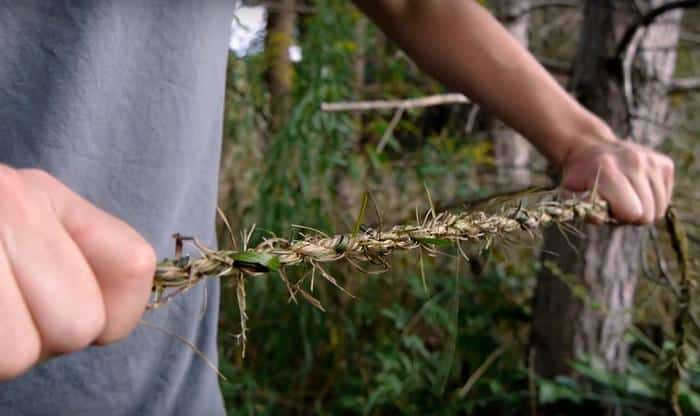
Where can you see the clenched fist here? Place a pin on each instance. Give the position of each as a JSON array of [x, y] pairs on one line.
[[71, 275], [636, 181]]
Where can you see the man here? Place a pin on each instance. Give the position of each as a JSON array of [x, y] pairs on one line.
[[119, 104]]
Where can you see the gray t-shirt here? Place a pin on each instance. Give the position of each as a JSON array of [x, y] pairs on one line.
[[122, 100]]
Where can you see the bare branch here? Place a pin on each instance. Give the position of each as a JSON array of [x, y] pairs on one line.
[[471, 119], [428, 101], [649, 18], [691, 37], [390, 130], [627, 61], [685, 84]]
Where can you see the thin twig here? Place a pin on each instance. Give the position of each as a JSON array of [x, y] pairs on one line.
[[627, 62], [480, 371], [689, 84], [390, 129], [407, 104]]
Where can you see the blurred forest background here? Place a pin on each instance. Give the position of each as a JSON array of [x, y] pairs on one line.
[[517, 330]]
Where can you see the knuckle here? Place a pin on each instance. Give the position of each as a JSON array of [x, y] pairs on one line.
[[634, 159], [142, 262], [607, 163], [653, 160]]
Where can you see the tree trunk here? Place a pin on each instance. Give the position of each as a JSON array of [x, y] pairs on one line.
[[512, 152], [593, 318], [281, 21]]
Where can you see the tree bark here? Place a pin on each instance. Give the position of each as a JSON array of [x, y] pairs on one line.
[[603, 270], [281, 22], [513, 154]]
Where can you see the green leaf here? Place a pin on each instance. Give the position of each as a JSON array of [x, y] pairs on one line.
[[635, 385], [361, 215], [692, 398], [551, 391], [438, 242], [262, 262]]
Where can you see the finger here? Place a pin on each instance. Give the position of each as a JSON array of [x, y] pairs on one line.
[[667, 169], [123, 262], [659, 192], [57, 284], [21, 345], [670, 188], [615, 187], [642, 187]]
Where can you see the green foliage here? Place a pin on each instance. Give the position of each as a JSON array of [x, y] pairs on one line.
[[641, 389], [297, 172], [395, 348], [399, 347]]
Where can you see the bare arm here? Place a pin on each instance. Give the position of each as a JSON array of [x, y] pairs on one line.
[[463, 46]]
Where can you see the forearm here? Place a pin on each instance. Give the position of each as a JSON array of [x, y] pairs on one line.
[[462, 45]]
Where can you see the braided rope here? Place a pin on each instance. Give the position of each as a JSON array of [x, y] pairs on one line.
[[370, 246]]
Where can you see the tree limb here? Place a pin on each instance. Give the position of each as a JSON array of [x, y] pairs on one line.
[[428, 101], [685, 84], [649, 18], [691, 37]]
